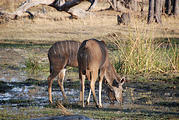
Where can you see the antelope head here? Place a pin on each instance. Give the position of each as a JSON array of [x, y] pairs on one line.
[[117, 89]]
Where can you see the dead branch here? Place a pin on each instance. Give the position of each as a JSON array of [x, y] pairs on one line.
[[60, 5]]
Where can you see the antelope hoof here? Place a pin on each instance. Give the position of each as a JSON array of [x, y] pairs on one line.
[[87, 103], [83, 106], [50, 101], [99, 106]]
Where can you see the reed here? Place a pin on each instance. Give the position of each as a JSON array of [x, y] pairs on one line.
[[141, 53]]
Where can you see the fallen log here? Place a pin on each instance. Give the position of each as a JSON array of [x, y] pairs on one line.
[[60, 5]]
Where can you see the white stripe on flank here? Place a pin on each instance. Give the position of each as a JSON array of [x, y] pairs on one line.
[[58, 48], [62, 48], [54, 50], [72, 50], [66, 45]]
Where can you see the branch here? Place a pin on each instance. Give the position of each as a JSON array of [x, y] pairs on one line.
[[65, 6], [60, 5]]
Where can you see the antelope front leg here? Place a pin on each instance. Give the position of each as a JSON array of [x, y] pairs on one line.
[[102, 72], [82, 89], [92, 85], [88, 76], [50, 80], [100, 88]]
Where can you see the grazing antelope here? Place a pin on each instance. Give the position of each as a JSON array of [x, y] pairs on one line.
[[93, 59], [60, 55]]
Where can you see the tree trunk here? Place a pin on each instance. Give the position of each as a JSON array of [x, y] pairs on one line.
[[154, 11], [150, 11], [175, 7], [168, 6], [157, 11]]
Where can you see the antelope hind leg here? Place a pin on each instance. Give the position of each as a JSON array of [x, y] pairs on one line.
[[61, 77]]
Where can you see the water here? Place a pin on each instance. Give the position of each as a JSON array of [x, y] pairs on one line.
[[36, 91], [152, 96]]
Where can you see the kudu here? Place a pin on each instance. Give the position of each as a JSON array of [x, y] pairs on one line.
[[61, 55], [93, 58]]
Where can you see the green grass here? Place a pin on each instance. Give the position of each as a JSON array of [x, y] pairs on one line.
[[33, 64], [141, 54], [101, 114]]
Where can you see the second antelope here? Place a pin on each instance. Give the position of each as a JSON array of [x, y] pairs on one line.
[[93, 60], [61, 55]]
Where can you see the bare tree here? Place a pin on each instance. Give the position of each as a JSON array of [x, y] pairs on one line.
[[175, 10], [154, 11], [171, 7]]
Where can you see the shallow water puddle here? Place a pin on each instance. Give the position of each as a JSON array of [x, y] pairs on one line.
[[149, 98], [37, 91]]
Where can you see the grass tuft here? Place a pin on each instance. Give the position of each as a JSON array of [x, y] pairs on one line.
[[140, 53], [33, 64]]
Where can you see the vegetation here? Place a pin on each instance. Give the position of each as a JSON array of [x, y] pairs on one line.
[[141, 53]]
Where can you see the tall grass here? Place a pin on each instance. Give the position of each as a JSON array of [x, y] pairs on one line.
[[141, 53]]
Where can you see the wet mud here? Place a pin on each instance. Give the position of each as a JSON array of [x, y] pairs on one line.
[[151, 97]]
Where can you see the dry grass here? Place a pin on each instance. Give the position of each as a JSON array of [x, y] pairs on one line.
[[55, 26], [10, 5], [142, 53]]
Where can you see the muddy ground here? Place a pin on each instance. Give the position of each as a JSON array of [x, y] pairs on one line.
[[24, 95]]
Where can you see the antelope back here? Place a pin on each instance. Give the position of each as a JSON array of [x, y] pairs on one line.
[[92, 54], [64, 52]]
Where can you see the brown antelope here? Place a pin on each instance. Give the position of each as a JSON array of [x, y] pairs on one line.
[[93, 58], [60, 55]]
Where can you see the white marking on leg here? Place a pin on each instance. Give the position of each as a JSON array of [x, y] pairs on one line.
[[63, 72], [88, 100], [100, 88]]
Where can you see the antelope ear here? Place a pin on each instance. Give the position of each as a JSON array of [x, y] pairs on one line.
[[115, 83], [122, 81]]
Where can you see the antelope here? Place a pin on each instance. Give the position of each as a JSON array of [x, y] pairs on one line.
[[93, 60], [61, 55]]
